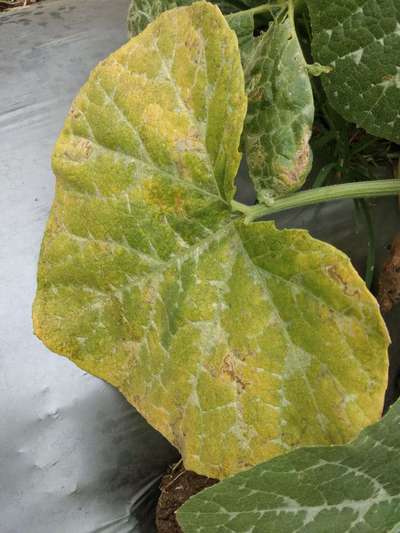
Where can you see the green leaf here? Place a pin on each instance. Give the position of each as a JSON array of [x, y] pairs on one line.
[[236, 342], [280, 114], [142, 12], [242, 24], [360, 40], [353, 488]]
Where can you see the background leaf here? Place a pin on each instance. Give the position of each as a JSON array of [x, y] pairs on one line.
[[242, 23], [353, 488], [207, 326], [280, 114], [360, 39]]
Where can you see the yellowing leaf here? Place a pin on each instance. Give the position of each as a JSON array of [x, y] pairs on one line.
[[236, 342], [142, 12]]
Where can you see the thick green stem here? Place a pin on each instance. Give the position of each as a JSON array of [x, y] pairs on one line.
[[360, 189]]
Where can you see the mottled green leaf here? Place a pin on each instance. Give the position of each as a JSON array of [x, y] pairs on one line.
[[142, 12], [338, 489], [236, 342], [360, 40], [242, 24], [280, 114]]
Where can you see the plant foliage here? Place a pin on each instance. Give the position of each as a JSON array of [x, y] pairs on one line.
[[280, 114], [237, 342], [142, 12], [360, 40], [353, 488]]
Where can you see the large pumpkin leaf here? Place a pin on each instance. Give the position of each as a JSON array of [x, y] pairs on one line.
[[142, 12], [360, 39], [280, 115], [353, 488], [217, 332]]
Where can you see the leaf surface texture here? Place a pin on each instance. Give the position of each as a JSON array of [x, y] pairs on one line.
[[280, 114], [360, 40], [352, 489], [217, 332]]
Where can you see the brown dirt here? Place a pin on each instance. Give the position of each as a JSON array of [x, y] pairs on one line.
[[389, 281], [177, 486], [9, 4]]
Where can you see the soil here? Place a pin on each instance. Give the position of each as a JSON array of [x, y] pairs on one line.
[[389, 281], [9, 4], [177, 486]]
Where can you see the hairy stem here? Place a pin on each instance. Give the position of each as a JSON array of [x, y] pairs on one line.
[[360, 189]]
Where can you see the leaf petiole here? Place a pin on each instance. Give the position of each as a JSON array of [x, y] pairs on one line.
[[371, 256], [258, 10], [323, 175], [291, 6], [361, 189]]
